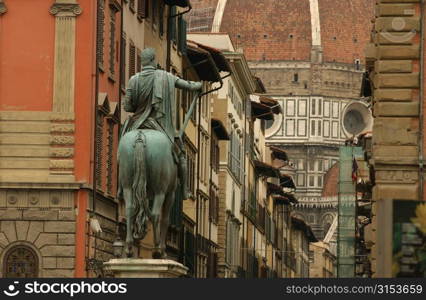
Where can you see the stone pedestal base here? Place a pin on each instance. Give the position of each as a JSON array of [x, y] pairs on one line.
[[145, 268]]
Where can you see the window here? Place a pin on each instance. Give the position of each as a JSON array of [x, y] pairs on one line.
[[235, 155], [173, 29], [138, 60], [110, 156], [132, 63], [296, 77], [214, 153], [181, 34], [132, 5], [214, 204], [316, 107], [161, 18], [232, 244], [154, 12], [99, 148], [301, 179], [143, 9], [123, 61], [100, 32], [190, 157], [311, 181], [112, 42], [319, 181], [20, 262]]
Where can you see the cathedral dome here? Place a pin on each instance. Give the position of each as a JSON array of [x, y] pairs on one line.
[[286, 30]]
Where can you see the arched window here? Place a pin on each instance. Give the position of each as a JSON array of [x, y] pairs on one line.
[[20, 262]]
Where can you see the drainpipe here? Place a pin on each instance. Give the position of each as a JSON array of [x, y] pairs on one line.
[[421, 104], [197, 205], [95, 131]]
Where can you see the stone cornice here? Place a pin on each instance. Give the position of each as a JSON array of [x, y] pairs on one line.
[[61, 9], [3, 8]]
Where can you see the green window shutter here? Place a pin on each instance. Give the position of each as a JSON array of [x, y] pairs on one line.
[[173, 24], [182, 25]]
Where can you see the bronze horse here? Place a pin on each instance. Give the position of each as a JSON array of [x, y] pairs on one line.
[[148, 178]]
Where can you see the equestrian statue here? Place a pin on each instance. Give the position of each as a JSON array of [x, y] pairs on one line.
[[151, 156]]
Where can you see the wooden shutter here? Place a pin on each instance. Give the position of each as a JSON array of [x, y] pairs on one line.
[[132, 64], [143, 8], [173, 24], [100, 32], [182, 35], [123, 61], [112, 41], [161, 18], [138, 60], [132, 5]]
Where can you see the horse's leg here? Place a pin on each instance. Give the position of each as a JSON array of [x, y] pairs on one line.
[[130, 219], [156, 218], [165, 220]]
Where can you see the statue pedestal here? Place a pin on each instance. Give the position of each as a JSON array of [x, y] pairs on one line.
[[145, 268]]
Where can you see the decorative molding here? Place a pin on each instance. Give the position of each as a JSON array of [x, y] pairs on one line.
[[3, 8], [61, 9], [62, 140], [36, 198]]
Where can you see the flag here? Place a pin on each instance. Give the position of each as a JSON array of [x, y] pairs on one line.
[[354, 170]]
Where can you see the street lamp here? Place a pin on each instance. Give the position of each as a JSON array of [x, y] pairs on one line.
[[118, 247]]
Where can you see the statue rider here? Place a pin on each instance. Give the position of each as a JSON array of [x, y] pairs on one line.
[[150, 96]]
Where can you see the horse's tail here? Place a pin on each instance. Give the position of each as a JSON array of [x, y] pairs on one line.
[[140, 198]]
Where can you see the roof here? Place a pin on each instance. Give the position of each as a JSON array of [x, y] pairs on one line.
[[181, 3], [218, 57], [219, 129], [203, 63], [272, 103], [287, 30], [287, 181], [265, 169], [301, 225], [261, 111], [279, 153], [281, 200]]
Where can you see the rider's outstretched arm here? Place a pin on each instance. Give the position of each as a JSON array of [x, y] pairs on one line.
[[188, 85]]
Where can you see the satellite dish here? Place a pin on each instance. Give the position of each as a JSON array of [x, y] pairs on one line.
[[356, 119]]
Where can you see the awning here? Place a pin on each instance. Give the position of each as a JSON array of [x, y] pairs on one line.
[[180, 3], [219, 129], [281, 200], [287, 181], [203, 63], [291, 198], [272, 103], [279, 153], [274, 189], [261, 111], [217, 55], [265, 169], [301, 225]]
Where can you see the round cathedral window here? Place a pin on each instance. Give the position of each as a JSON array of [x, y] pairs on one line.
[[354, 122]]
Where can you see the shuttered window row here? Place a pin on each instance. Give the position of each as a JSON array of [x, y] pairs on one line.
[[143, 8], [112, 41], [132, 57], [100, 32]]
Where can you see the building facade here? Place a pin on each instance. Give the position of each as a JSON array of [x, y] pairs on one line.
[[395, 61], [314, 70]]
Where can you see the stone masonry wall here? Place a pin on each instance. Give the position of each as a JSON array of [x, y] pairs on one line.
[[50, 232], [395, 55]]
